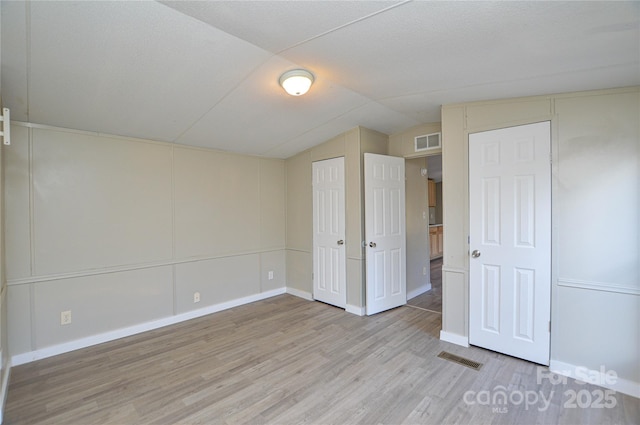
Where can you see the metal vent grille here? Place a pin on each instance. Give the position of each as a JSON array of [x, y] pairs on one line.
[[428, 141], [460, 360]]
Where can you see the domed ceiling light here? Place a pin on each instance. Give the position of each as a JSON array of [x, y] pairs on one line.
[[296, 82]]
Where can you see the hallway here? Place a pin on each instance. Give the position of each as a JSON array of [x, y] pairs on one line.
[[432, 299]]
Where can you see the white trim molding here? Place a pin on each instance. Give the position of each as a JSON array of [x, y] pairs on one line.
[[4, 389], [354, 309], [454, 338], [600, 377], [419, 290], [300, 294], [120, 269], [454, 270], [77, 344], [599, 286]]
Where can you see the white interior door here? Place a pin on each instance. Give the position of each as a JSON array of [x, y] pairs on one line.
[[510, 240], [385, 232], [329, 254]]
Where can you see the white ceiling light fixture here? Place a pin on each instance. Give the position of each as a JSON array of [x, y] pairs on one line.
[[296, 82]]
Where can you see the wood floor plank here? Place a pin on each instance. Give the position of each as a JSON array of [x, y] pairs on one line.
[[289, 361]]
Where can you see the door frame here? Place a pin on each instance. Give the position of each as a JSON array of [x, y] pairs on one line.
[[340, 301], [455, 270], [548, 192], [422, 155], [393, 244]]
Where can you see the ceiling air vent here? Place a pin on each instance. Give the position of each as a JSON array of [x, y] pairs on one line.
[[428, 142]]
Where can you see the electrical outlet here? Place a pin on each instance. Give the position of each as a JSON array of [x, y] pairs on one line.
[[65, 317], [424, 271], [270, 275], [196, 297]]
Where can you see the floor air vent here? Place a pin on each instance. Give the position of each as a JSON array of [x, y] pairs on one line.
[[460, 360]]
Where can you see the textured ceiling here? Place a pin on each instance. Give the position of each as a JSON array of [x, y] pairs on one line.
[[206, 73]]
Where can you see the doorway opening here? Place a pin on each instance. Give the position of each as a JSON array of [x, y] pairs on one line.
[[424, 232], [431, 300]]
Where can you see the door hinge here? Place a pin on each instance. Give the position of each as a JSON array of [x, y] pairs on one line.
[[312, 276], [549, 326], [5, 119]]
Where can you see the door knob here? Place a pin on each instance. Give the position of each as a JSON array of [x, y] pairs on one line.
[[341, 242], [372, 244], [475, 253]]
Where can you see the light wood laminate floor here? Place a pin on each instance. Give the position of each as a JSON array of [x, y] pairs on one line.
[[289, 361]]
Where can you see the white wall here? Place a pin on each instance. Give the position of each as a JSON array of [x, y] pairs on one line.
[[417, 202], [122, 232], [351, 144], [596, 304], [417, 215], [596, 233]]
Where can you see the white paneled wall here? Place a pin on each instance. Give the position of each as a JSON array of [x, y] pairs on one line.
[[99, 303], [17, 192], [220, 279], [217, 203], [98, 202], [595, 277], [122, 232]]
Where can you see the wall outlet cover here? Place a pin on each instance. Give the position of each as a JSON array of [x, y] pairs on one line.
[[65, 317]]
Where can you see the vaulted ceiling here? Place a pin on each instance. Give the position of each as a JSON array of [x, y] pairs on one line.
[[205, 73]]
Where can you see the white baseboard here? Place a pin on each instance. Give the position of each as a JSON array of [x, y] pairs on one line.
[[4, 389], [309, 296], [419, 291], [454, 338], [65, 347], [353, 309], [596, 377], [300, 294]]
